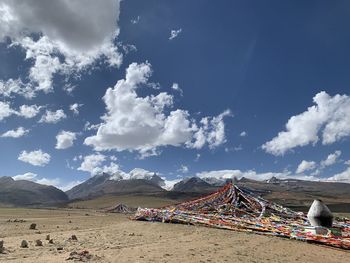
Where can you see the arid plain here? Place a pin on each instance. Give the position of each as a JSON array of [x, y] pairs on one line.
[[107, 237]]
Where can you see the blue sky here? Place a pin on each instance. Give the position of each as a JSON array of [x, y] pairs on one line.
[[230, 74]]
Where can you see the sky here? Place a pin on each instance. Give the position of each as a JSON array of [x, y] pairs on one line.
[[180, 88]]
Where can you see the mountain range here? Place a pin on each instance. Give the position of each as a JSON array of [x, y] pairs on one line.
[[293, 193]]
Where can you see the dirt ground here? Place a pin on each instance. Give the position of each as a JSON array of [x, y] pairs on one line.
[[115, 238]]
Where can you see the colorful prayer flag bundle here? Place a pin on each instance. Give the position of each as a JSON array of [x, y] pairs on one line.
[[237, 209]]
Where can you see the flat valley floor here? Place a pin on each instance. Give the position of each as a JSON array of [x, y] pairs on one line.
[[116, 238]]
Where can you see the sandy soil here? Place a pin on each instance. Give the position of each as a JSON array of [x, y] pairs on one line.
[[115, 238]]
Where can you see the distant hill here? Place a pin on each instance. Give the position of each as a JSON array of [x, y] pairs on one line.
[[27, 193], [104, 184], [300, 193], [195, 185]]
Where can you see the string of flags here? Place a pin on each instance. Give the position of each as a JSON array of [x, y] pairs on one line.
[[238, 209]]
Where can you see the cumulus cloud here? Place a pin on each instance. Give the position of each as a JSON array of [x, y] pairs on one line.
[[305, 166], [183, 169], [75, 108], [12, 87], [29, 111], [331, 159], [211, 132], [59, 37], [329, 119], [176, 87], [53, 116], [243, 134], [47, 181], [175, 33], [92, 161], [88, 126], [69, 185], [26, 111], [341, 177], [135, 20], [19, 132], [26, 176], [65, 139], [143, 124], [5, 110], [93, 164], [223, 175], [36, 158]]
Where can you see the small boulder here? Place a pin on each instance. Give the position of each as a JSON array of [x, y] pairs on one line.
[[38, 243], [51, 241], [24, 244], [2, 249], [32, 226], [47, 237], [73, 238]]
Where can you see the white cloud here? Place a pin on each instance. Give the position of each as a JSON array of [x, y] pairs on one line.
[[75, 108], [19, 132], [92, 161], [65, 139], [331, 159], [183, 169], [49, 181], [251, 174], [330, 117], [12, 87], [175, 33], [176, 87], [69, 185], [45, 65], [243, 134], [211, 131], [93, 164], [53, 116], [142, 123], [72, 36], [25, 111], [341, 177], [69, 88], [29, 111], [305, 166], [88, 126], [223, 175], [27, 176], [135, 20], [37, 158], [5, 110], [347, 162]]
